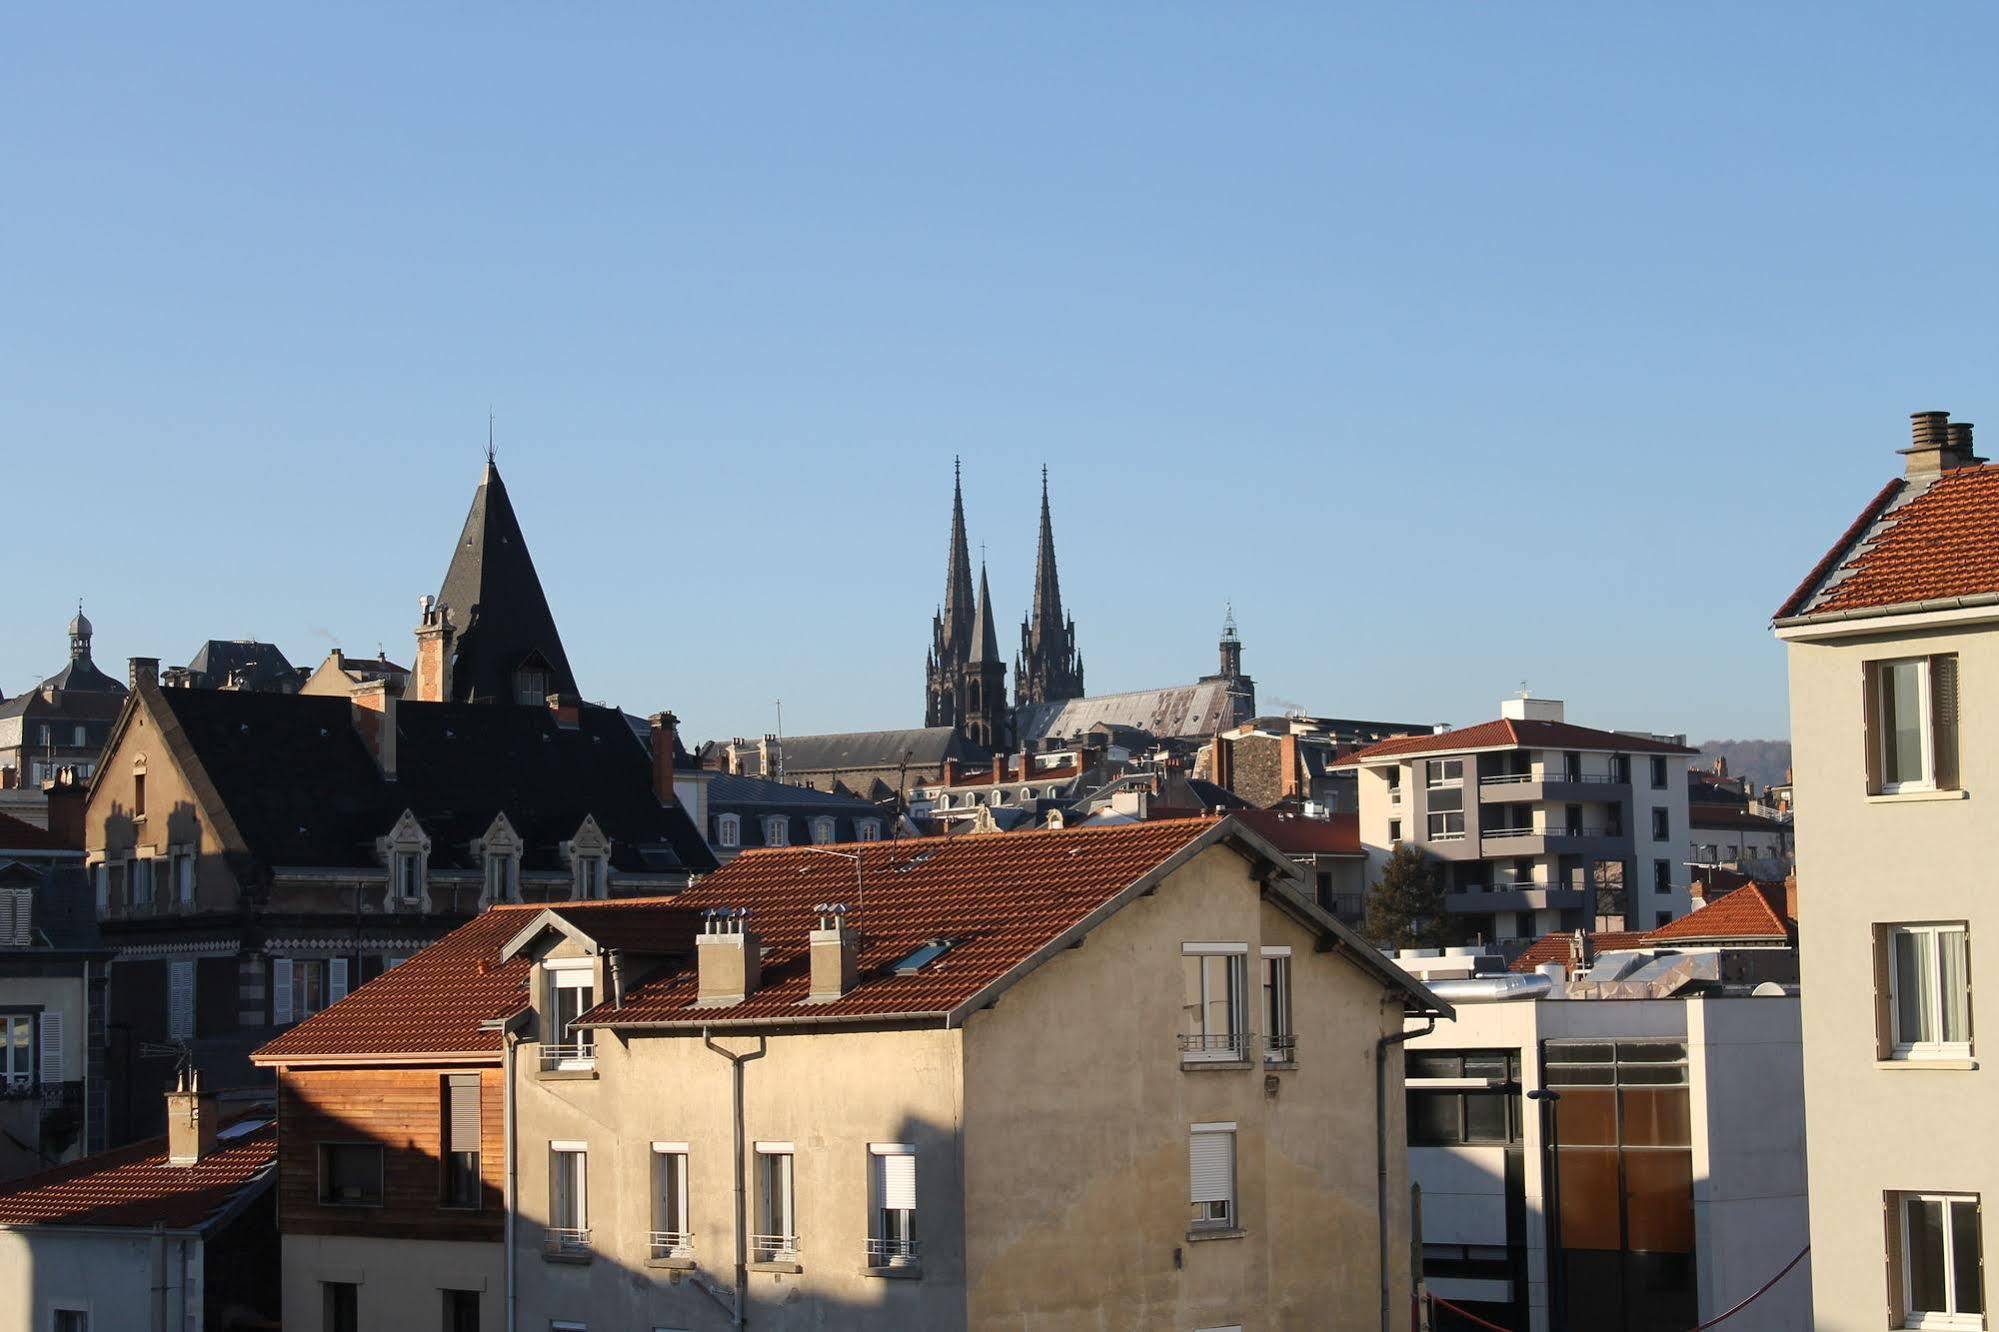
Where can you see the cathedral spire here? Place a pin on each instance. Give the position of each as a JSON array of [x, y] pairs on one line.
[[958, 609], [1050, 668], [985, 642], [951, 630], [984, 719]]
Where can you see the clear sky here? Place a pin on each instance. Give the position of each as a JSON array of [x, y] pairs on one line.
[[1459, 345]]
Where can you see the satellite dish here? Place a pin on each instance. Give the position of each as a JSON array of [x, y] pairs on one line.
[[1768, 990]]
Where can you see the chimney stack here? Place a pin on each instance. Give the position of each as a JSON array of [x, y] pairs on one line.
[[433, 651], [1936, 445], [568, 710], [140, 670], [728, 961], [665, 743], [771, 754], [65, 811], [836, 954], [191, 1117], [372, 707], [949, 776]]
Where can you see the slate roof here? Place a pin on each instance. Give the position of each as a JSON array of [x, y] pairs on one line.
[[496, 603], [1505, 733], [1002, 898], [1915, 542], [848, 751], [259, 665], [1189, 711], [304, 791], [134, 1186], [753, 799]]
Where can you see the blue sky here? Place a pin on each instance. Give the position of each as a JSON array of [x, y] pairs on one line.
[[1459, 346]]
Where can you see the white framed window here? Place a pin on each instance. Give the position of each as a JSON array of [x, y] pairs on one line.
[[822, 831], [183, 862], [1214, 1022], [672, 1232], [409, 877], [17, 1049], [568, 1197], [303, 986], [1394, 831], [1929, 990], [728, 830], [572, 992], [592, 877], [1444, 772], [139, 880], [1911, 714], [892, 1204], [776, 1240], [1445, 812], [503, 876], [1280, 1041], [867, 830], [180, 1000], [1941, 1260], [777, 831], [1211, 1172], [100, 879]]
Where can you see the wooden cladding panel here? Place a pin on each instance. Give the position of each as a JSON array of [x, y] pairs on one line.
[[402, 1111]]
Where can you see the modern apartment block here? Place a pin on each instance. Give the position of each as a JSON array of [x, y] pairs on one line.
[[1539, 825], [1124, 1076], [1894, 666]]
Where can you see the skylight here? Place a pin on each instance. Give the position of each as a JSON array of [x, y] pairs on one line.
[[923, 956], [240, 1129]]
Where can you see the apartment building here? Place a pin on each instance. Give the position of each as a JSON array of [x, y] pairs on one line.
[[1120, 1076], [1618, 1147], [1893, 642], [1539, 825]]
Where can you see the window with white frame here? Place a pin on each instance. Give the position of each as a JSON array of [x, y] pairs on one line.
[[1445, 810], [867, 830], [1928, 971], [1911, 710], [409, 877], [17, 1049], [303, 986], [1394, 831], [1211, 1171], [568, 1198], [592, 877], [728, 830], [1444, 772], [777, 831], [183, 863], [822, 831], [776, 1238], [1214, 1023], [1941, 1260], [672, 1233], [139, 877], [503, 874], [892, 1197], [100, 878], [1280, 1042], [572, 992]]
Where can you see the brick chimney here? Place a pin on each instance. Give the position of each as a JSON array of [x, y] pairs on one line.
[[1936, 445], [191, 1116], [728, 961], [65, 813], [665, 740], [567, 710], [836, 954], [949, 776], [372, 708], [140, 670], [433, 651]]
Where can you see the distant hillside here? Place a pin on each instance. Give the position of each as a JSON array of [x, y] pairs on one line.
[[1763, 761]]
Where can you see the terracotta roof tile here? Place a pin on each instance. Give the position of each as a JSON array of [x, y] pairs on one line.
[[1559, 947], [20, 835], [1940, 543], [1298, 835], [1506, 733], [1752, 912], [134, 1185]]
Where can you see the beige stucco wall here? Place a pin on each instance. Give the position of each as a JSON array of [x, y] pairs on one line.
[[1864, 860], [401, 1282], [108, 1275], [1077, 1120]]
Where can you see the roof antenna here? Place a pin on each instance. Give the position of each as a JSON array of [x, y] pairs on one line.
[[489, 436]]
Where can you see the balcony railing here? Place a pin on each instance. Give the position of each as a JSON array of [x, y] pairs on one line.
[[1551, 775], [774, 1248], [1280, 1050], [1447, 837], [670, 1243], [1227, 1045], [566, 1242], [1577, 830], [892, 1252], [1506, 778], [568, 1054]]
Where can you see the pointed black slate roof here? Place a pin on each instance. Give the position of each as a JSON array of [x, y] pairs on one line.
[[497, 606], [985, 640]]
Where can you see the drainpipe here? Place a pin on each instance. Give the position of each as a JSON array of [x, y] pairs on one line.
[[1381, 1048], [510, 1206], [158, 1271], [742, 1218]]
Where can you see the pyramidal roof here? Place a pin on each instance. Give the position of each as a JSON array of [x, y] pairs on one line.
[[494, 595]]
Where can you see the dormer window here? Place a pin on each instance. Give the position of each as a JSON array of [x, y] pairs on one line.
[[728, 830], [867, 830], [503, 876], [531, 686], [405, 854], [589, 854], [822, 831], [776, 831], [409, 877], [572, 992], [590, 877]]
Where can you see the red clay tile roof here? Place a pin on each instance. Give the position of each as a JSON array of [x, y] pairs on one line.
[[20, 835], [1298, 835], [134, 1185], [1559, 947], [1752, 912], [1000, 897], [1940, 544], [1508, 734]]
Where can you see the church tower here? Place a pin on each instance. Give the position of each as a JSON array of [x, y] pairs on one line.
[[1241, 689], [951, 629], [985, 719], [1048, 668]]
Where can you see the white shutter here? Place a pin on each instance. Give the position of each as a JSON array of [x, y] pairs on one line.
[[898, 1182], [52, 1070], [281, 990], [180, 1000], [1211, 1162], [336, 980]]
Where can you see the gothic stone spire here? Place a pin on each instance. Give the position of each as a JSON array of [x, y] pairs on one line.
[[951, 629], [1050, 667]]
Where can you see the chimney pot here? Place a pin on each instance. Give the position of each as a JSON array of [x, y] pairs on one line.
[[836, 954], [191, 1116], [1937, 445], [728, 959]]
